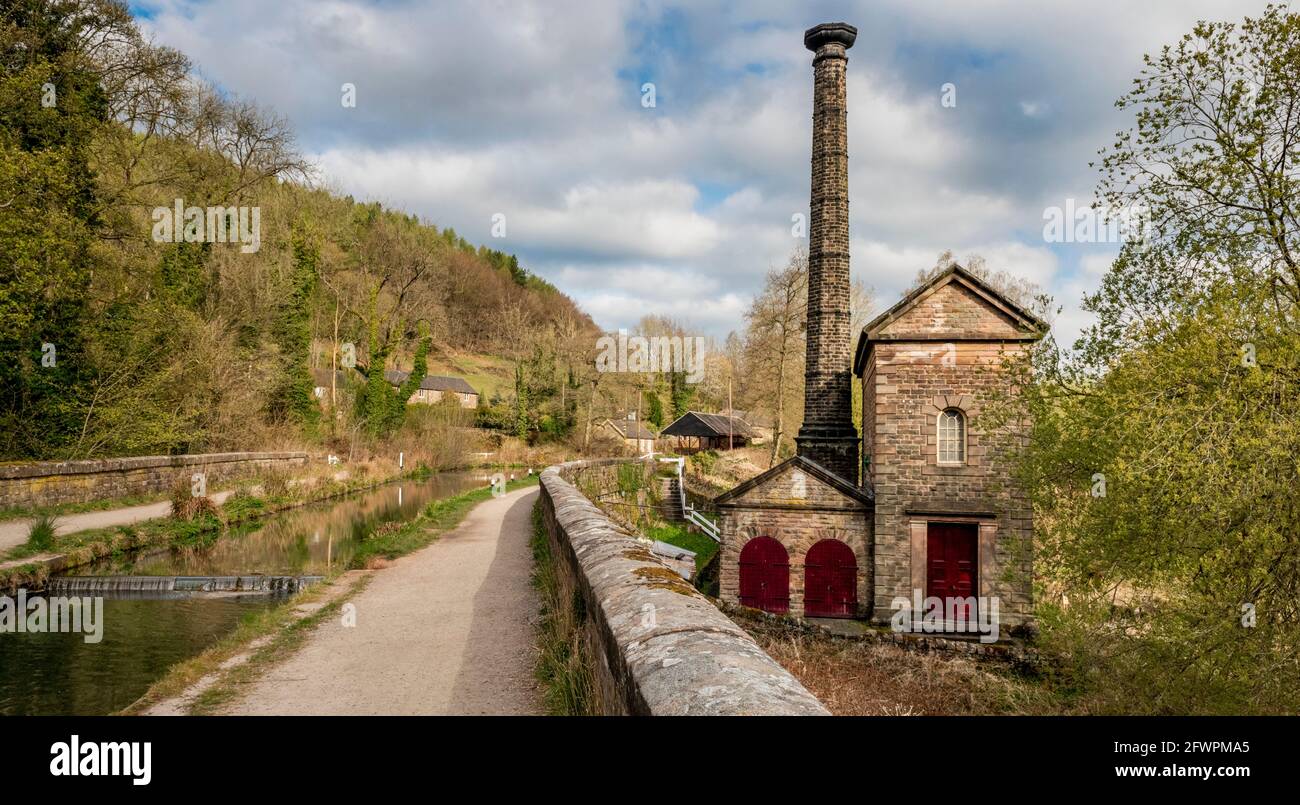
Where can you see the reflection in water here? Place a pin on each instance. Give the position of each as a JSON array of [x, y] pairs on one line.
[[144, 636], [309, 541], [61, 674]]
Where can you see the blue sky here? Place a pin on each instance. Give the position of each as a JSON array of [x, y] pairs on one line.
[[534, 110]]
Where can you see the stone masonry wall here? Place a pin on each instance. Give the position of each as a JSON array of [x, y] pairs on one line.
[[56, 482], [661, 647], [905, 387], [797, 522], [827, 435]]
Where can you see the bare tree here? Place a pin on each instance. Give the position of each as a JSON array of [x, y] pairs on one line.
[[774, 341]]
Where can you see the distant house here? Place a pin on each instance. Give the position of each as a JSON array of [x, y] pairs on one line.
[[631, 432], [761, 424], [434, 387], [695, 430]]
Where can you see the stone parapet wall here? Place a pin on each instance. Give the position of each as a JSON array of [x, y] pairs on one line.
[[659, 646], [49, 483]]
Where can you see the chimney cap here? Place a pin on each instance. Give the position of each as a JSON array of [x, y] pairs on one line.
[[829, 32]]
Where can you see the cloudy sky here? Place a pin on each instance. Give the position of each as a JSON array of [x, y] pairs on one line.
[[535, 110]]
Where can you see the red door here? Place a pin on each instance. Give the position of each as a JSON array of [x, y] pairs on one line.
[[765, 575], [951, 562], [830, 587]]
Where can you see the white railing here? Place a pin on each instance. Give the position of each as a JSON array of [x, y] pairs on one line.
[[692, 516]]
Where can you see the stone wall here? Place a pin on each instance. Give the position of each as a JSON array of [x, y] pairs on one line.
[[797, 511], [660, 647], [50, 483], [906, 385]]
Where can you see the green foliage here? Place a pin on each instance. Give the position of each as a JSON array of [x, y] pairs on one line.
[[679, 535], [183, 274], [177, 347], [631, 477], [564, 667], [1162, 459], [682, 393], [703, 461], [40, 535], [47, 194], [655, 416], [291, 398]]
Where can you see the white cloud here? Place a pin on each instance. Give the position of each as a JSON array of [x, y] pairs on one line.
[[466, 109]]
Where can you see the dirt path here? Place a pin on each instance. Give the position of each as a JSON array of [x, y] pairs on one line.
[[446, 630], [14, 532]]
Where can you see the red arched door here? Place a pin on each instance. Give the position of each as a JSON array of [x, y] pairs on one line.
[[830, 587], [765, 575]]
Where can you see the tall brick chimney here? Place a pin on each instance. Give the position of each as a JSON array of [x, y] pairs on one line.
[[827, 435]]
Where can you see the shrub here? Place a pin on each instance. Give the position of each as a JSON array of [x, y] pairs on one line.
[[41, 533]]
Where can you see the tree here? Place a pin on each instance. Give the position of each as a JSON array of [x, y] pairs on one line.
[[774, 343], [51, 107], [1023, 292], [1211, 165], [1161, 461], [292, 399], [655, 415]]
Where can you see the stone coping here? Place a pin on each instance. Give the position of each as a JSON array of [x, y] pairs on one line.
[[669, 649], [89, 466]]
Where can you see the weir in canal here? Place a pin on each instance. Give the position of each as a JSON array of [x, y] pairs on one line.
[[164, 606]]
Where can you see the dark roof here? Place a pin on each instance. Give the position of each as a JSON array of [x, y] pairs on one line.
[[863, 495], [696, 423], [397, 377], [1033, 326], [631, 429], [752, 418]]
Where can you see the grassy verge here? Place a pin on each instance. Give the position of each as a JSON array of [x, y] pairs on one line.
[[241, 508], [285, 629], [437, 517], [280, 622], [677, 534], [58, 510], [563, 668]]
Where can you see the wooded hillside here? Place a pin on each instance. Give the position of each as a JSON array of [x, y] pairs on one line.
[[116, 343]]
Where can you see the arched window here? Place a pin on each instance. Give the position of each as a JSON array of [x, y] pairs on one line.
[[952, 437]]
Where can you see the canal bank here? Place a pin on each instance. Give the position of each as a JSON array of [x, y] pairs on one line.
[[447, 628], [145, 635]]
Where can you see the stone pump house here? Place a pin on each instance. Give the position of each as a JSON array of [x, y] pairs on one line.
[[931, 508]]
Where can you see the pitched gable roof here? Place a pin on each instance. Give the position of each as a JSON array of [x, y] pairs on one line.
[[397, 377], [862, 495], [1021, 323], [697, 423], [630, 429]]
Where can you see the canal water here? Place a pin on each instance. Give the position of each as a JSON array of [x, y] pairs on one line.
[[143, 634]]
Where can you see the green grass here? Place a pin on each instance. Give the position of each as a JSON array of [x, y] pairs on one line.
[[292, 631], [23, 512], [563, 667], [676, 534], [436, 518], [40, 536]]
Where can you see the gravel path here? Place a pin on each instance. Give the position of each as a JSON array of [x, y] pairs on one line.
[[445, 630]]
